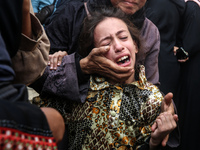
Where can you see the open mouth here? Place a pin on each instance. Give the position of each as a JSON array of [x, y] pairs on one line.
[[123, 60]]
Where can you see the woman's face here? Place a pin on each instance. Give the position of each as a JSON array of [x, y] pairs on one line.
[[114, 33], [128, 6]]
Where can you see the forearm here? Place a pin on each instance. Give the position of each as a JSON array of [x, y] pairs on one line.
[[26, 19], [64, 83]]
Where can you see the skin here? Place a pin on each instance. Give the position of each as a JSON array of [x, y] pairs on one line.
[[114, 33], [55, 121], [96, 62], [179, 60], [26, 19], [54, 118], [128, 6]]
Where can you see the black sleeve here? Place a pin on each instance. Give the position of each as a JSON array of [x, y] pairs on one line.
[[82, 78]]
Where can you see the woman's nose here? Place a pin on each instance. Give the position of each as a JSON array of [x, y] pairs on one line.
[[118, 47]]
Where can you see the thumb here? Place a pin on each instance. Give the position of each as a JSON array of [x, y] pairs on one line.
[[166, 102], [175, 117], [104, 49]]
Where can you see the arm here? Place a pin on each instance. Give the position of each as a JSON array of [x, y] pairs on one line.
[[62, 82], [34, 47], [26, 19], [55, 121], [95, 62]]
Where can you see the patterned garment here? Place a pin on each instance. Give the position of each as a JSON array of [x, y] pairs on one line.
[[114, 116], [14, 139]]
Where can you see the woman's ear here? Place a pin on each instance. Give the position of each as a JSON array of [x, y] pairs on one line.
[[136, 51]]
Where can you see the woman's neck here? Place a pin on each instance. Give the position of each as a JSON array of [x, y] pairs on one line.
[[128, 81]]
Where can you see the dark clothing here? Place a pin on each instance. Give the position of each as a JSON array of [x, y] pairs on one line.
[[63, 33], [10, 24], [65, 28], [62, 82], [9, 91], [22, 125], [168, 24], [17, 116], [188, 96]]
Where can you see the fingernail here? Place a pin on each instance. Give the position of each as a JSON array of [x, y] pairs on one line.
[[54, 68], [107, 48]]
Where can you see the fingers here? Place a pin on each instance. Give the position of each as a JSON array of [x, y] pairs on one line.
[[154, 126], [56, 59], [168, 98], [167, 105], [96, 62], [113, 71], [175, 49], [166, 122], [175, 117], [183, 60], [102, 50]]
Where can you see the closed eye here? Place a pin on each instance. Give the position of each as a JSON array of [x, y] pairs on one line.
[[123, 38]]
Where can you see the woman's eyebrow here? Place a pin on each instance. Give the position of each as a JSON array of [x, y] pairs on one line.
[[109, 37], [105, 38], [120, 31]]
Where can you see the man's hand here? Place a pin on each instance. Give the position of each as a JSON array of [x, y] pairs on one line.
[[56, 59], [96, 62]]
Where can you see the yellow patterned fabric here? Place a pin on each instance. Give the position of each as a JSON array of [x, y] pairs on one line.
[[114, 116]]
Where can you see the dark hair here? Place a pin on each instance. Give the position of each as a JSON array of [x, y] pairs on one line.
[[90, 23]]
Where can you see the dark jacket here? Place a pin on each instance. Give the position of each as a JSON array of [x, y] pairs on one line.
[[66, 25]]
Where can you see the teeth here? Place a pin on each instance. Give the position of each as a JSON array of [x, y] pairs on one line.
[[122, 58]]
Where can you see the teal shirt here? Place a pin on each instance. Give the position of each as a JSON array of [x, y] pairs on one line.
[[39, 4]]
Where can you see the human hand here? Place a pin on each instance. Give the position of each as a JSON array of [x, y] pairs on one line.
[[96, 62], [164, 124], [56, 59], [167, 106], [180, 60]]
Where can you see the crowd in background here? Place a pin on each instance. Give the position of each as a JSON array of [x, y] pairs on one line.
[[55, 49]]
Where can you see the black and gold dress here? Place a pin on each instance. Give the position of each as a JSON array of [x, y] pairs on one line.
[[113, 116]]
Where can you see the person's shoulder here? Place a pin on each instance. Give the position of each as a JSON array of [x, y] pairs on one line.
[[149, 24], [69, 4], [149, 27]]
